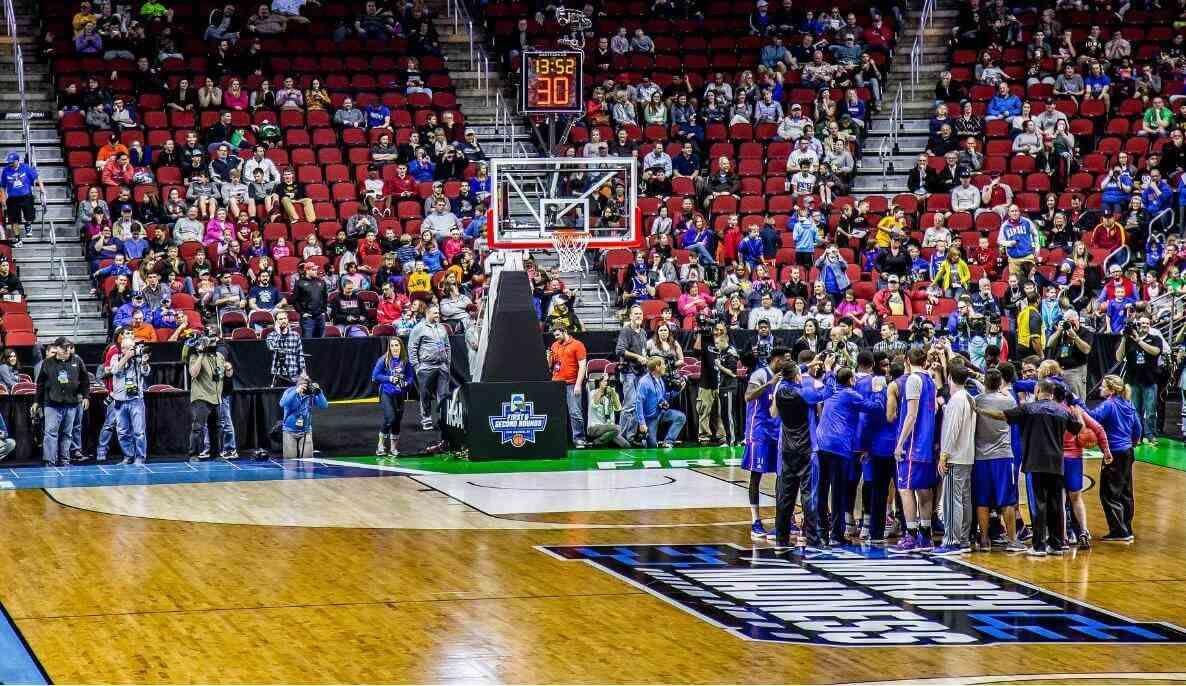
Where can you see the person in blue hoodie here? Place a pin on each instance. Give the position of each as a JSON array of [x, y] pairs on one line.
[[297, 403], [836, 441], [795, 398], [806, 235], [750, 249], [833, 271], [876, 438], [394, 375], [1122, 424]]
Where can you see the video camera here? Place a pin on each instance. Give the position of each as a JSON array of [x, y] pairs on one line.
[[201, 342]]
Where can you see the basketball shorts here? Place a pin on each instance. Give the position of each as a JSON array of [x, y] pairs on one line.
[[917, 475], [1072, 473], [760, 455], [994, 483]]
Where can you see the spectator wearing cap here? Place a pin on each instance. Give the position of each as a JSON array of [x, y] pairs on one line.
[[760, 19], [892, 301], [1048, 119], [123, 315], [965, 197], [790, 128]]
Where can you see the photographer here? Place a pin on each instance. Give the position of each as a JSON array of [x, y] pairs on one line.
[[288, 353], [653, 407], [129, 369], [206, 368], [1069, 345], [717, 387], [763, 344], [1143, 351], [298, 403]]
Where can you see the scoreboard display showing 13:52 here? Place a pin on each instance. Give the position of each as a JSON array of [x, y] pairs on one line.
[[552, 82]]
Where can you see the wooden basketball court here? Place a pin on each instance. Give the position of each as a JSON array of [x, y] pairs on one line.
[[426, 577]]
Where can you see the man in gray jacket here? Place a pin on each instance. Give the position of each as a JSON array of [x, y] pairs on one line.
[[430, 355]]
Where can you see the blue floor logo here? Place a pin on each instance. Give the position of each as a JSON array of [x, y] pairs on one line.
[[859, 597]]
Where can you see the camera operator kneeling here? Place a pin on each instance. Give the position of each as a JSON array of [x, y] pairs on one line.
[[298, 403]]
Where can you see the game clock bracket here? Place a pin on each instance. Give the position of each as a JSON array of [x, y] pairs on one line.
[[552, 82]]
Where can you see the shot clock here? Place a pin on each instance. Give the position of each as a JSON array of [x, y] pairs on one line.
[[552, 82]]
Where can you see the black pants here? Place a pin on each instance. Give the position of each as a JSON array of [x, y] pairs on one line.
[[725, 415], [833, 478], [201, 412], [434, 392], [1116, 493], [22, 210], [393, 412], [1049, 521], [883, 469], [794, 478]]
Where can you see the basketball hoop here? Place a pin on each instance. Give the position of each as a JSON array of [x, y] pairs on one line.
[[570, 248]]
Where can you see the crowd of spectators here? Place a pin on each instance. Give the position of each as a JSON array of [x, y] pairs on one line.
[[224, 175]]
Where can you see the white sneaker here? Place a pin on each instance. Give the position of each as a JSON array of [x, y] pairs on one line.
[[230, 455]]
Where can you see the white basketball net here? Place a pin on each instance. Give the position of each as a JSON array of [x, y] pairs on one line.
[[570, 249]]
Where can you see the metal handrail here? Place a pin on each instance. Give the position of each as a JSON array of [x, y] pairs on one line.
[[77, 313], [925, 19], [64, 277]]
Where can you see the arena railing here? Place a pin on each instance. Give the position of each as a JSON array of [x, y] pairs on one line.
[[889, 144], [925, 19]]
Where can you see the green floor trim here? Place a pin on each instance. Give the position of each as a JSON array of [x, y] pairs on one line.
[[1166, 453], [575, 461]]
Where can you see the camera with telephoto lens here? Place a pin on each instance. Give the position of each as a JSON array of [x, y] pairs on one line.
[[201, 343], [763, 349]]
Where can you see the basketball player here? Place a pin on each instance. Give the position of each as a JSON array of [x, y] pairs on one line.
[[876, 439], [836, 438], [1043, 423], [994, 480], [910, 406], [794, 405], [761, 433]]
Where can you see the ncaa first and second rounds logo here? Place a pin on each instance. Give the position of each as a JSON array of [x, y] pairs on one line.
[[518, 423]]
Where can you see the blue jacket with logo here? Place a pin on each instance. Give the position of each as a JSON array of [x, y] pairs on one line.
[[298, 410]]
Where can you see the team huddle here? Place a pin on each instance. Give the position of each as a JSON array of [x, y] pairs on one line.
[[934, 445]]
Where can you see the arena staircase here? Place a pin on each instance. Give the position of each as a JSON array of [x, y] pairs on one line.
[[51, 264], [900, 131], [489, 103]]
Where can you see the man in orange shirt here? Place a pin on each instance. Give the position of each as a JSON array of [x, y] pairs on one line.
[[567, 359], [141, 329]]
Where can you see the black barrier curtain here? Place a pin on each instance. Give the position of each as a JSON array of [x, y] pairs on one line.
[[342, 366]]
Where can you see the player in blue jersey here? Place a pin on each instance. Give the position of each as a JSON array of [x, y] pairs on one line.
[[761, 433], [836, 439], [910, 406], [876, 439]]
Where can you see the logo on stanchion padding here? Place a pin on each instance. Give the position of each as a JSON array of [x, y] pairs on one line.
[[518, 424]]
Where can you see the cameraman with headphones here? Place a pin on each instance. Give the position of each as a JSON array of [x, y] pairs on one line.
[[206, 368], [129, 369], [298, 403]]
